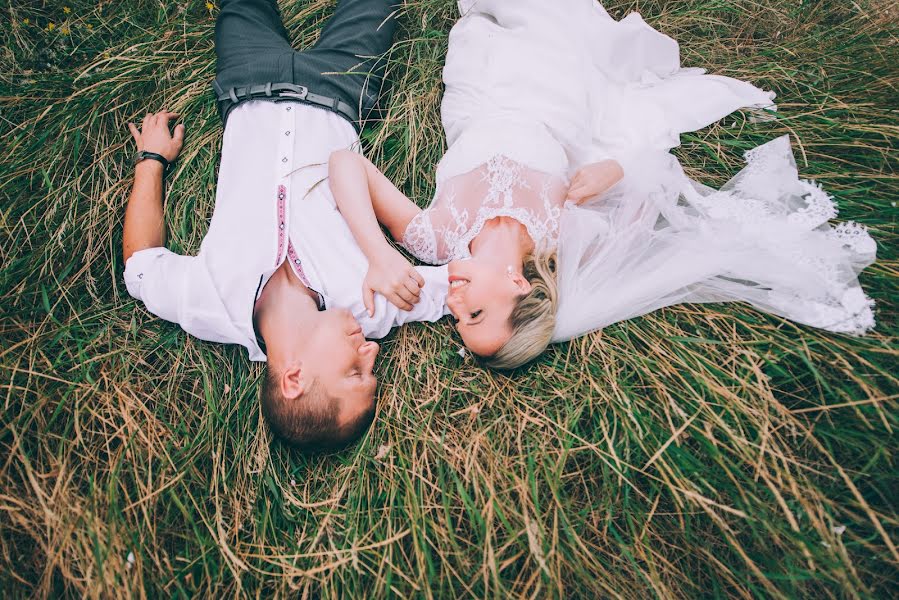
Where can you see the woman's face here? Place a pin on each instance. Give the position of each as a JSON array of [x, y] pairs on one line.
[[481, 298]]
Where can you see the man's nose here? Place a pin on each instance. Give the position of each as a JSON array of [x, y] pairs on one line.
[[369, 351]]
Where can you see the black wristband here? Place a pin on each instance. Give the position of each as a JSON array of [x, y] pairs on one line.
[[143, 155]]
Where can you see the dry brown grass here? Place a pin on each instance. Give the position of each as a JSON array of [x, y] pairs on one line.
[[698, 451]]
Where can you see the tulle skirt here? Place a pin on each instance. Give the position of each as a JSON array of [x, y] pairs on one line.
[[764, 238]]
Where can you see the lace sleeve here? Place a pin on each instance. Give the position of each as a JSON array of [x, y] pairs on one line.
[[419, 238]]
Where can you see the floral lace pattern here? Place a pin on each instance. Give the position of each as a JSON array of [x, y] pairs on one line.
[[769, 201], [462, 205]]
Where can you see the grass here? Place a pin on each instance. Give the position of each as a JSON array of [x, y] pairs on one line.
[[698, 451]]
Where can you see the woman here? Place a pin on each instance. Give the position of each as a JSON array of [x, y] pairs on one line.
[[496, 226], [539, 97]]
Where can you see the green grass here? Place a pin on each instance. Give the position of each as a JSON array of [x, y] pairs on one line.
[[698, 451]]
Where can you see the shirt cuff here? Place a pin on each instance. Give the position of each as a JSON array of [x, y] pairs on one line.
[[138, 265]]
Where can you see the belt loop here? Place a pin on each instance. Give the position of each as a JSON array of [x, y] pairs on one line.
[[232, 95], [268, 89]]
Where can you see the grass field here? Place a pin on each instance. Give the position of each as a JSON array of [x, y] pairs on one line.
[[696, 452]]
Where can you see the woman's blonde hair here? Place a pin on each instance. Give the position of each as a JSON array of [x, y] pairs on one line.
[[533, 318]]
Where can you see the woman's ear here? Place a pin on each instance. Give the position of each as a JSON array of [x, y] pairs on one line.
[[291, 382], [521, 282]]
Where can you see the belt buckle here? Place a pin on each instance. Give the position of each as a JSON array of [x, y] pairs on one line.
[[300, 94]]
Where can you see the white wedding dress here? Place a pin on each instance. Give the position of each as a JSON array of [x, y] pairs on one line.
[[536, 89]]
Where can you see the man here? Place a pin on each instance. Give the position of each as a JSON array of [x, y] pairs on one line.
[[278, 271]]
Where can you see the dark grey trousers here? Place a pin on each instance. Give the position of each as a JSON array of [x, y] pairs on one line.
[[346, 65]]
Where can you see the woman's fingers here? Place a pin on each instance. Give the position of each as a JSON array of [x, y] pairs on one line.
[[577, 193], [576, 180], [408, 296], [414, 274], [368, 299], [412, 288], [400, 302]]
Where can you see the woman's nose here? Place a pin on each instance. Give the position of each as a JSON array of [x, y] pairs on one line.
[[453, 305]]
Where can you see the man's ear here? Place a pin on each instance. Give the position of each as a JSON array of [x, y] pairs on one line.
[[292, 383], [523, 284]]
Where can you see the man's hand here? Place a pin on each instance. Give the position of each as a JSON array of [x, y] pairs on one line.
[[393, 276], [154, 135], [594, 179]]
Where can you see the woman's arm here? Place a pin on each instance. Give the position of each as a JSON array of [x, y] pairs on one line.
[[365, 197], [594, 179]]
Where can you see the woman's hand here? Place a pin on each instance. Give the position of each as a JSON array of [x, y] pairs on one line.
[[594, 179], [154, 135], [391, 275]]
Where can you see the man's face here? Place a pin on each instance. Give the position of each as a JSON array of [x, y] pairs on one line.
[[340, 358]]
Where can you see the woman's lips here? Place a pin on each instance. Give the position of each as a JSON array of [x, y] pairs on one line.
[[456, 282]]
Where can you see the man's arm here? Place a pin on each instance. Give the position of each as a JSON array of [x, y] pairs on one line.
[[366, 197], [173, 287], [144, 226]]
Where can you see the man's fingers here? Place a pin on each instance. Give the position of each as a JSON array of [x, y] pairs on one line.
[[134, 133], [417, 277], [179, 133], [149, 119], [368, 298], [163, 117]]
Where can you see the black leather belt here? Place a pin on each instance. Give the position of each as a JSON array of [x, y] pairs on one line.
[[288, 91]]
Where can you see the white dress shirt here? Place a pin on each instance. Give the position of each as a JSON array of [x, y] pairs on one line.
[[272, 193]]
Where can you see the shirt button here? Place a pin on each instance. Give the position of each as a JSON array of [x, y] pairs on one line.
[[288, 109], [287, 133], [297, 261], [281, 226], [284, 159]]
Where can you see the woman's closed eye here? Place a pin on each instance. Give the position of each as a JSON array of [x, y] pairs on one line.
[[475, 315]]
